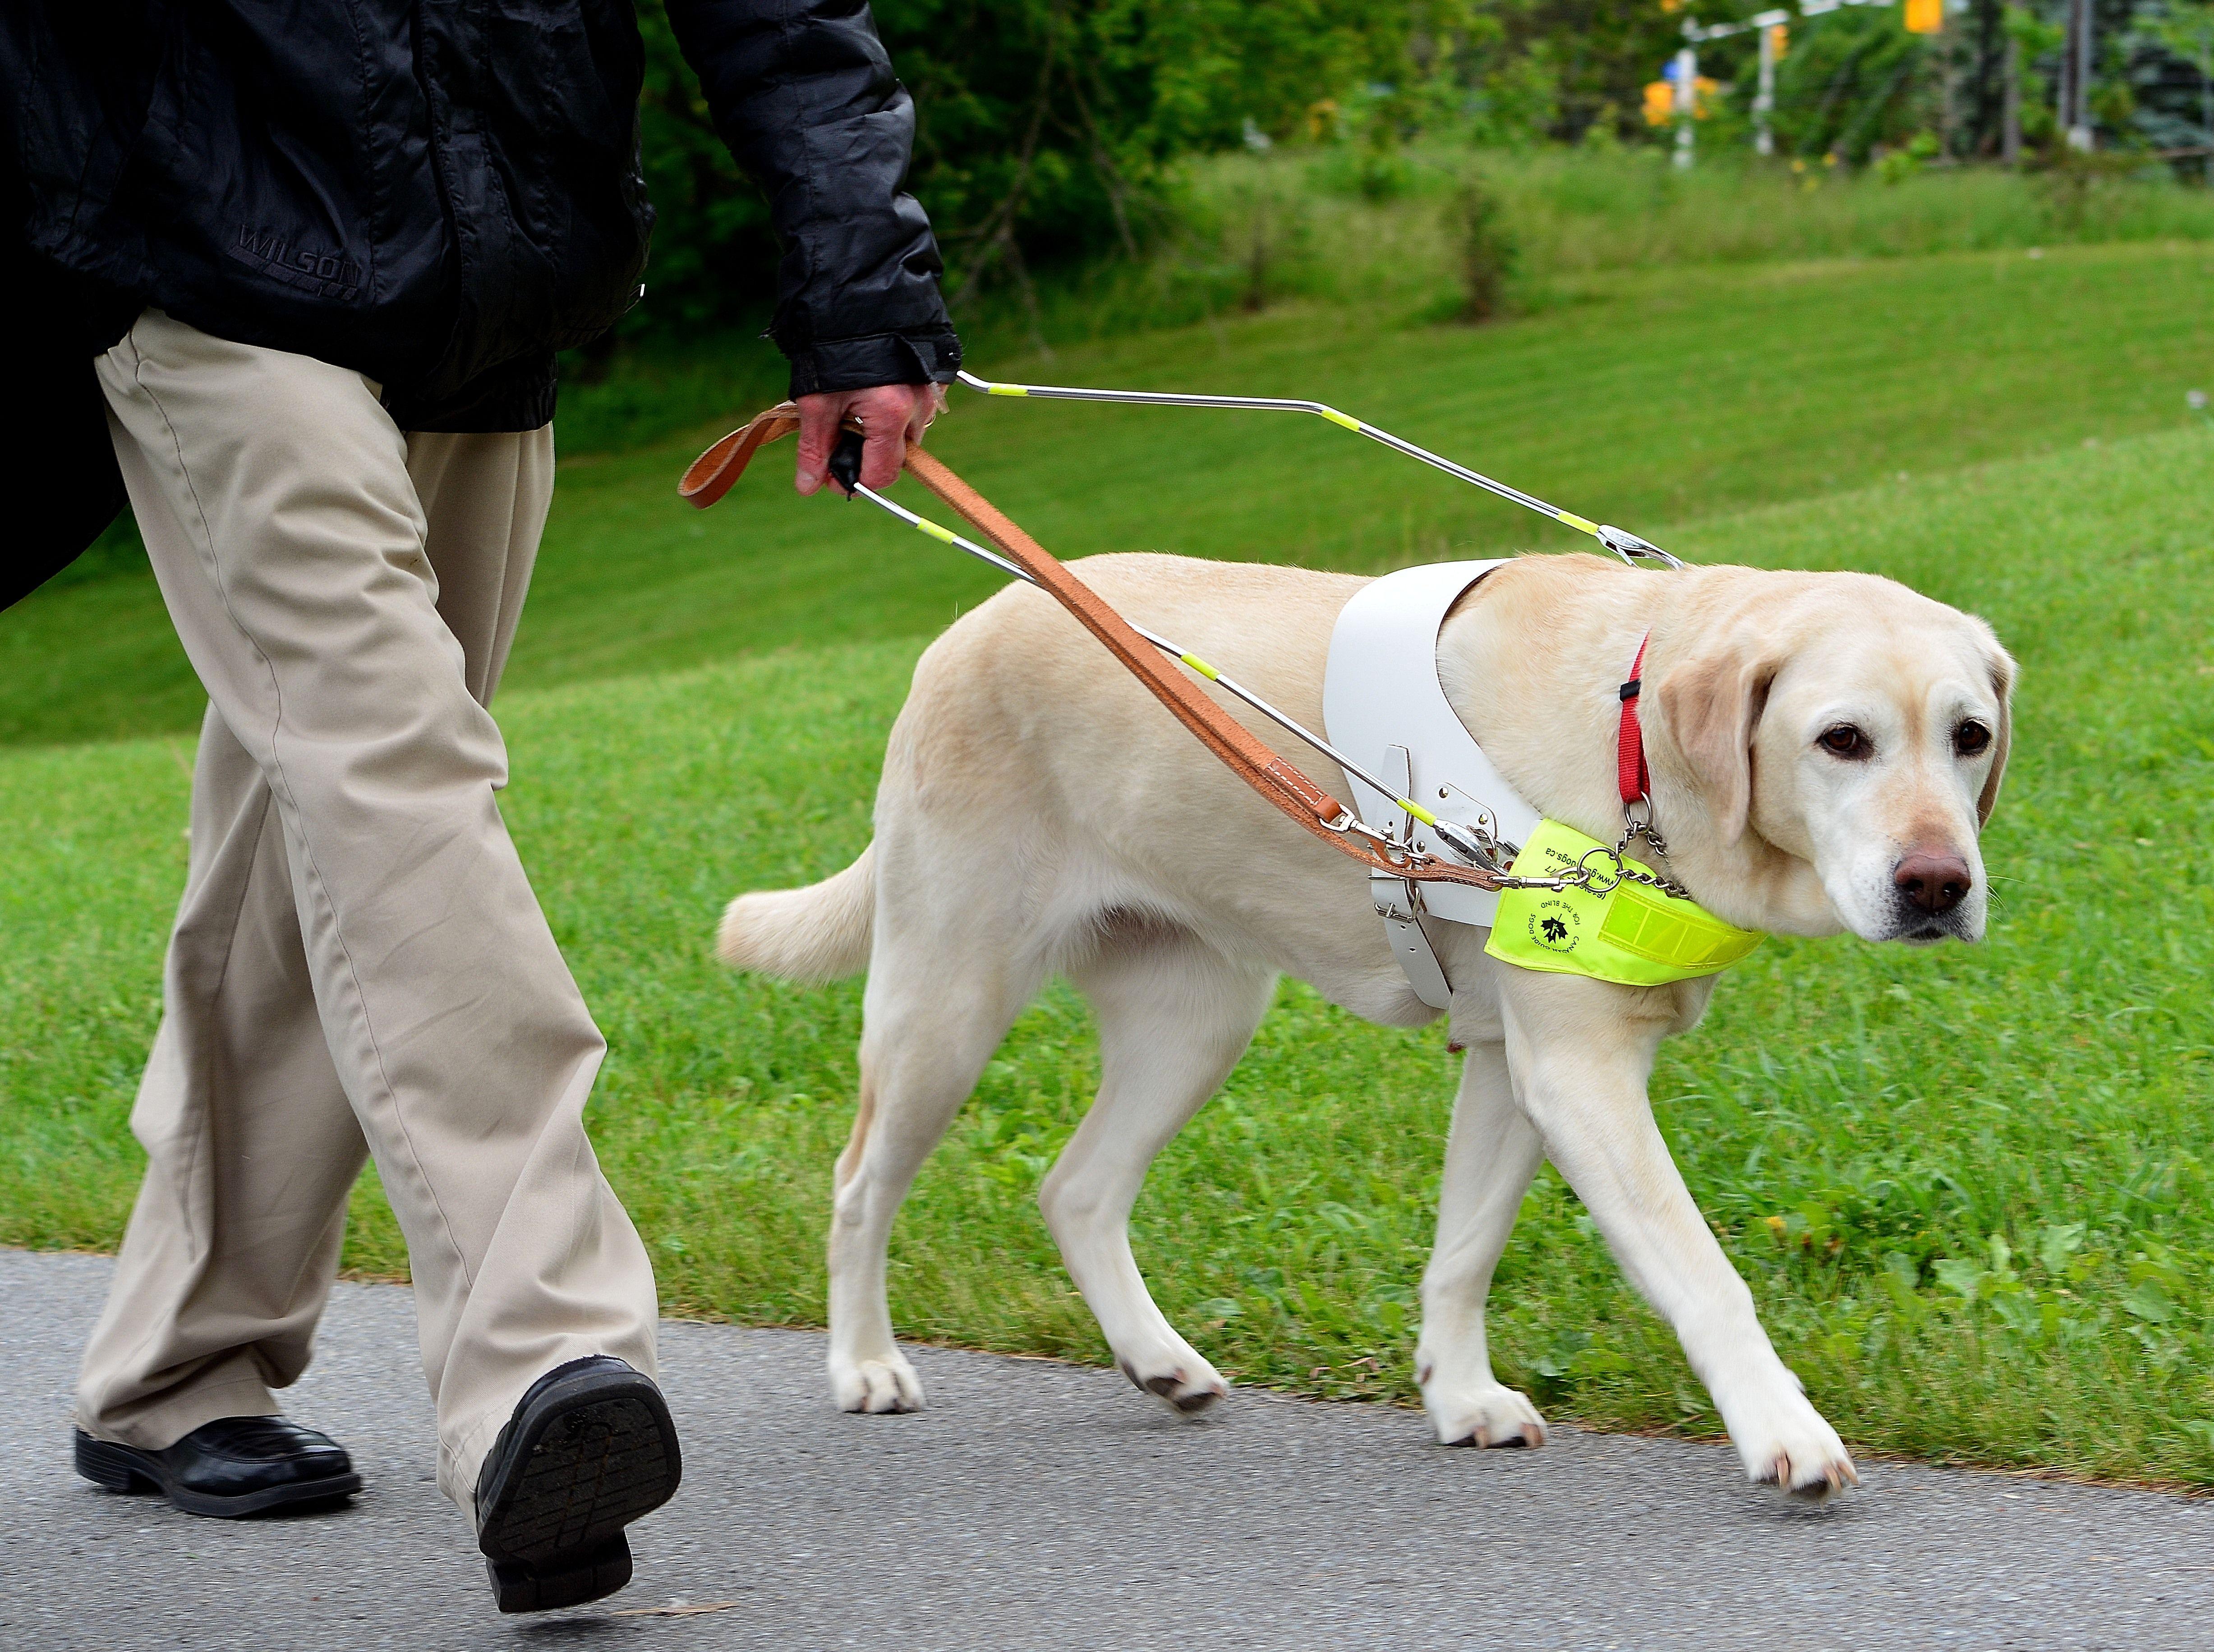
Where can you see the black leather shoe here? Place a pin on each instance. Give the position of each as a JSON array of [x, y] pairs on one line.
[[590, 1449], [233, 1465]]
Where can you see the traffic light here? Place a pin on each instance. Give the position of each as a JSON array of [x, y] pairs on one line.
[[1924, 16], [1779, 39], [1660, 102]]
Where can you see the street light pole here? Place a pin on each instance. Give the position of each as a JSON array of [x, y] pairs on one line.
[[1684, 71]]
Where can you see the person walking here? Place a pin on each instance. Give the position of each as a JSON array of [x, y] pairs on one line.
[[320, 261]]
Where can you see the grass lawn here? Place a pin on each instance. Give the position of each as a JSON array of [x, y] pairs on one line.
[[1655, 399], [1971, 1188]]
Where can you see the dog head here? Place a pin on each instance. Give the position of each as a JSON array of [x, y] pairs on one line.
[[1845, 739]]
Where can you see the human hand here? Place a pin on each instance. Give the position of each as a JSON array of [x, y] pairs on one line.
[[892, 416]]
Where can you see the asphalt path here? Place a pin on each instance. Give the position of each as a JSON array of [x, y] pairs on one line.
[[1042, 1505]]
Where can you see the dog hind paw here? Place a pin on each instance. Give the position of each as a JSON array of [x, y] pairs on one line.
[[887, 1387]]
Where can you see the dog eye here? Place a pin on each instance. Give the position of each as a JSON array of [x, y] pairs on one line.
[[1847, 742], [1971, 738]]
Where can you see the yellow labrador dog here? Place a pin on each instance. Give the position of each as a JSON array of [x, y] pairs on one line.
[[1824, 748]]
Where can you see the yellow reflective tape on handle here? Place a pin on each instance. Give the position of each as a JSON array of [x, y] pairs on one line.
[[1006, 389], [1570, 519], [1337, 418], [1201, 667]]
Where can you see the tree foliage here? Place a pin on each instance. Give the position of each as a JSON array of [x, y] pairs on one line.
[[1043, 126], [1050, 131]]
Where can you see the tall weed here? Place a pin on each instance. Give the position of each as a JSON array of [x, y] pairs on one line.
[[1379, 234], [1387, 236]]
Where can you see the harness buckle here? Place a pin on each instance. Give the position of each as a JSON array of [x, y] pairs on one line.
[[1395, 899]]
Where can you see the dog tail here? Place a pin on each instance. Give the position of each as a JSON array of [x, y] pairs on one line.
[[809, 935]]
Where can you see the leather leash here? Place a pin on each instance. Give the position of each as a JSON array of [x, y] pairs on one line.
[[1292, 793]]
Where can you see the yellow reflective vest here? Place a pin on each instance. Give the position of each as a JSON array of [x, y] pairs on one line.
[[1633, 935]]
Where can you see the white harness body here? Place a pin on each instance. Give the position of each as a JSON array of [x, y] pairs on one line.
[[1384, 707]]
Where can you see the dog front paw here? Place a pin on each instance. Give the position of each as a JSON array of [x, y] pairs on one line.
[[1482, 1415], [1783, 1441], [881, 1387]]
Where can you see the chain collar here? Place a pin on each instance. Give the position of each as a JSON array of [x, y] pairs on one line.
[[1613, 868]]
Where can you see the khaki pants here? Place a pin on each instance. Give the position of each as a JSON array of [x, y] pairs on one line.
[[358, 965]]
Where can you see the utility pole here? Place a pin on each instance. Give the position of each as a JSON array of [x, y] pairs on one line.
[[2010, 108], [2206, 103], [1763, 102], [1687, 92], [2076, 108], [2063, 97], [1948, 75]]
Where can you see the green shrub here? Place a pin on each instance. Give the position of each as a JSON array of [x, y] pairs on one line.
[[1487, 250]]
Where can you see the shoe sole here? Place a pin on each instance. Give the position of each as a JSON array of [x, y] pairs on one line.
[[593, 1454], [576, 1579], [121, 1468]]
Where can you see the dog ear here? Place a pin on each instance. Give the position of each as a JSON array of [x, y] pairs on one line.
[[1710, 707], [2003, 671]]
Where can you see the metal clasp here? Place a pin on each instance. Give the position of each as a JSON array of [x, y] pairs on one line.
[[1632, 549], [1599, 882]]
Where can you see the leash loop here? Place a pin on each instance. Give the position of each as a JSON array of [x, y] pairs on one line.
[[1281, 783]]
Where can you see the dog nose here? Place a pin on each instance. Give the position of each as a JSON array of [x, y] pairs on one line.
[[1934, 880]]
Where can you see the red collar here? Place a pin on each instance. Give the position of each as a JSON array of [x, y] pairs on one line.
[[1630, 773]]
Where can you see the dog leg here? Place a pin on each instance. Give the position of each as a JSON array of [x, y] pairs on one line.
[[1491, 1156], [1174, 1017], [933, 1019], [1580, 1052]]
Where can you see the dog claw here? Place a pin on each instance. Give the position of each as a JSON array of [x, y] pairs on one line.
[[1836, 1477], [1531, 1436]]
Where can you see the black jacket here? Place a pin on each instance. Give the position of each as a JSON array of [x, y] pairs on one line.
[[442, 193]]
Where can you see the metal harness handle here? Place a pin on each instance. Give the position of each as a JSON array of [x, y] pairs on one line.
[[1285, 787]]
